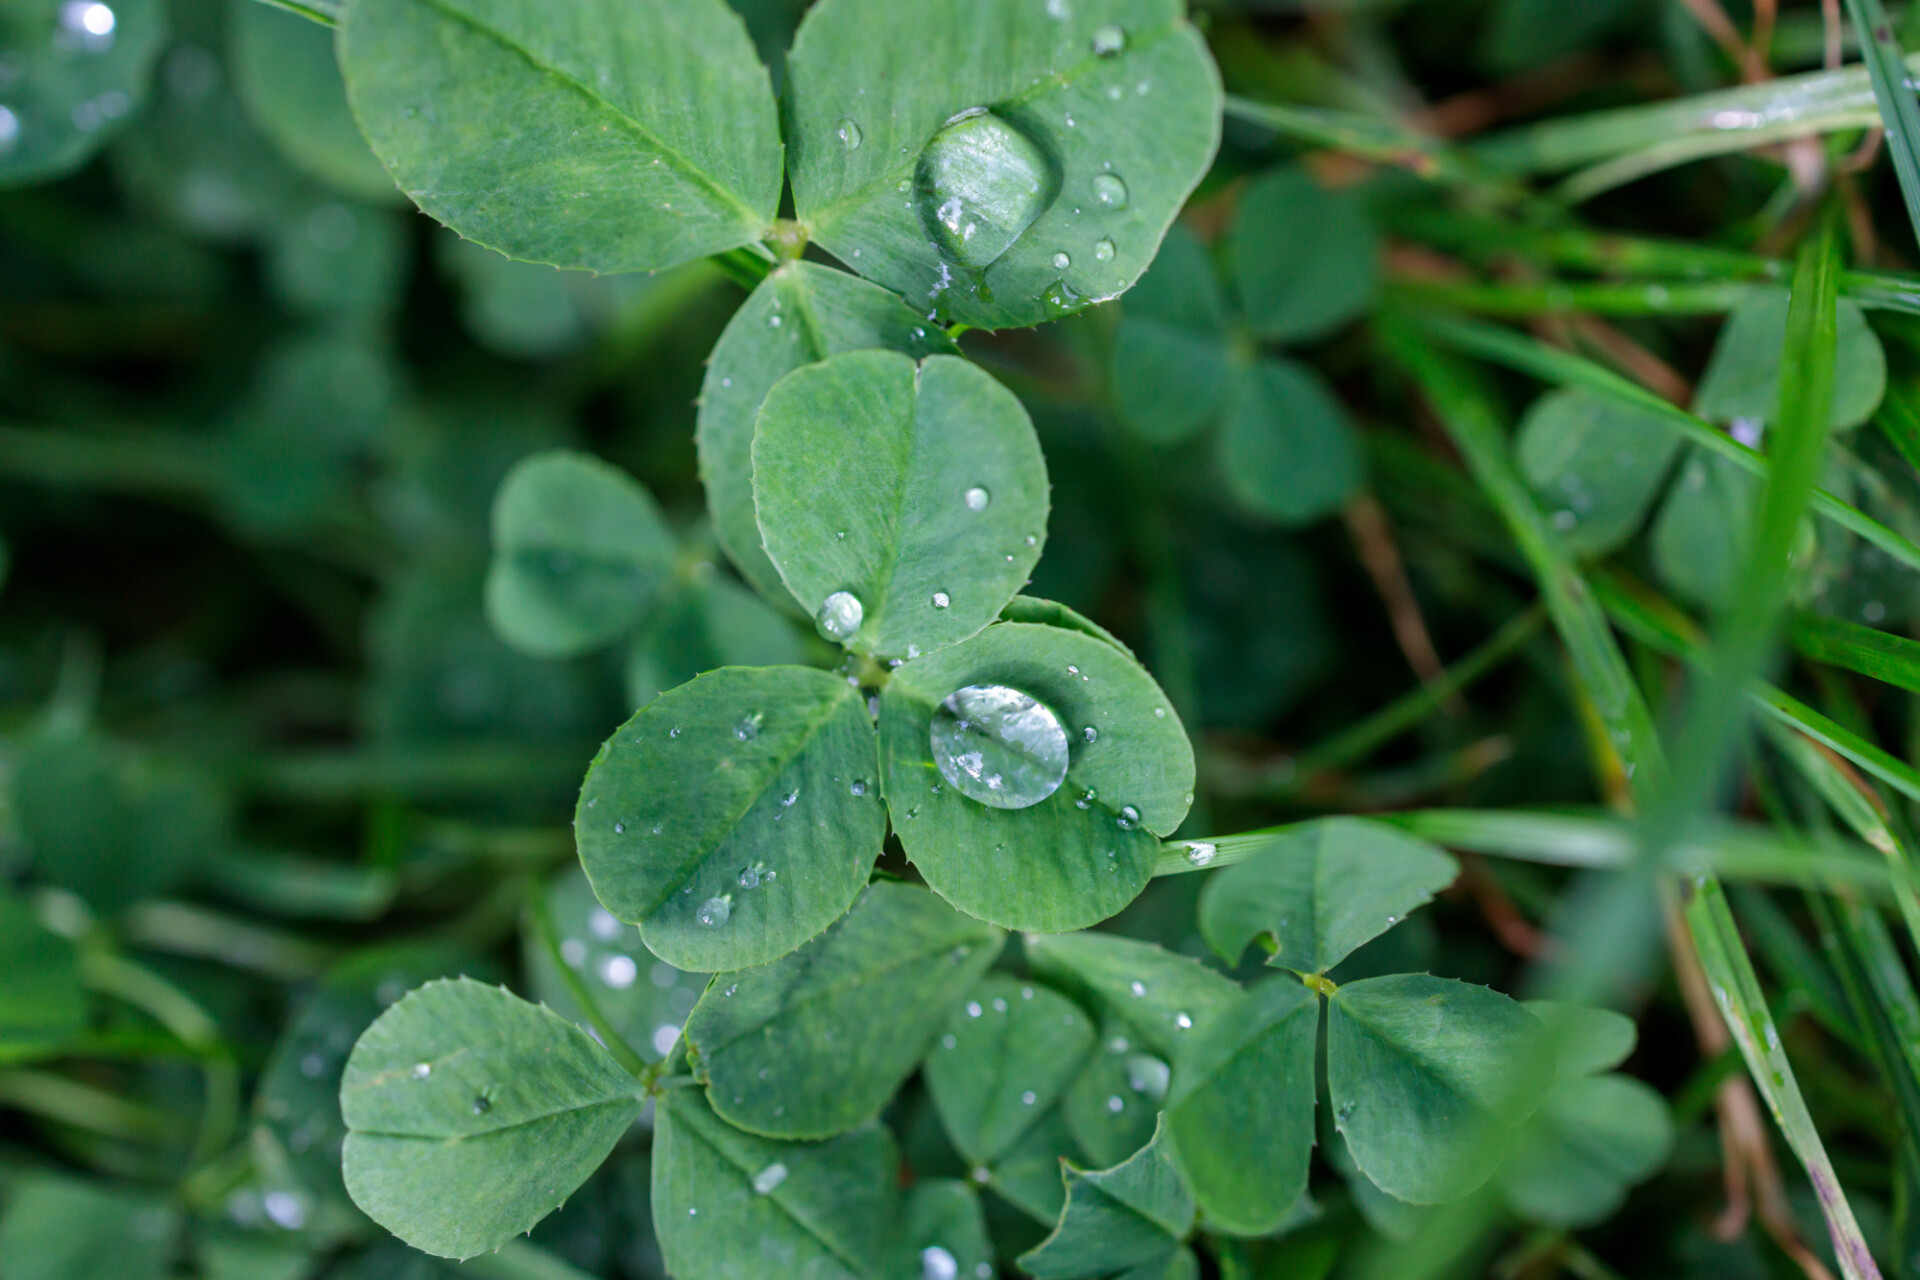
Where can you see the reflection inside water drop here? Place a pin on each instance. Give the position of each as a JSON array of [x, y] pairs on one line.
[[999, 746], [982, 183]]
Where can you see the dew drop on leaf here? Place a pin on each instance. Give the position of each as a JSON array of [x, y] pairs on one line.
[[769, 1178], [849, 134], [1148, 1076], [1110, 190], [1061, 298], [714, 912], [1103, 251], [1109, 39], [421, 1071], [840, 616], [1129, 818], [977, 498], [1200, 853], [937, 1264], [1090, 734], [941, 599], [481, 1105], [749, 727], [999, 746], [981, 183], [1061, 261]]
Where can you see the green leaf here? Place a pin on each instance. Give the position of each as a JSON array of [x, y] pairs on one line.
[[41, 1003], [731, 1206], [918, 489], [74, 76], [1320, 891], [60, 1228], [734, 817], [1047, 613], [1596, 463], [1588, 1040], [1132, 1215], [1700, 537], [1112, 1105], [707, 624], [614, 135], [1100, 120], [296, 1105], [817, 1042], [1287, 450], [1171, 367], [1417, 1067], [1161, 996], [339, 260], [1242, 1106], [1742, 381], [946, 1233], [1592, 1139], [1305, 259], [1028, 1175], [579, 551], [472, 1115], [1086, 850], [288, 79], [1009, 1053], [800, 314], [110, 825], [644, 999]]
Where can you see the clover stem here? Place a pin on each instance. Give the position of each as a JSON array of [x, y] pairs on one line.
[[541, 918], [1321, 983]]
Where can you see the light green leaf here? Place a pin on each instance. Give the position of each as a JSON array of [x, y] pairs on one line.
[[731, 1206], [1009, 1052], [708, 624], [644, 999], [1320, 891], [1163, 997], [1588, 1040], [1742, 381], [110, 825], [1596, 462], [631, 134], [1132, 1215], [519, 309], [1086, 850], [75, 74], [1287, 450], [471, 1115], [946, 1233], [41, 1003], [1242, 1106], [1112, 1105], [734, 817], [579, 550], [800, 314], [1306, 259], [932, 473], [338, 259], [1046, 613], [1171, 368], [1592, 1139], [1700, 537], [296, 1106], [288, 79], [1416, 1067], [817, 1042], [1092, 125], [60, 1228]]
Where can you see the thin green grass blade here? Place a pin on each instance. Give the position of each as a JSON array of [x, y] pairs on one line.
[[1893, 90], [1889, 658], [324, 12], [1563, 368]]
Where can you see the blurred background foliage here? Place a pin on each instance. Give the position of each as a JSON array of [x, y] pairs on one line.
[[265, 763]]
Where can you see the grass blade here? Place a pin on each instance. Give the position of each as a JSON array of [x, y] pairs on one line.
[[1892, 89]]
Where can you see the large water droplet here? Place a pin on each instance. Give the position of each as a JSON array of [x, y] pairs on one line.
[[1109, 38], [937, 1264], [769, 1178], [978, 498], [1201, 852], [941, 600], [1109, 191], [999, 746], [849, 134], [840, 616], [714, 912], [981, 184]]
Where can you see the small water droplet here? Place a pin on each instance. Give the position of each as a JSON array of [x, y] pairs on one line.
[[840, 616], [949, 1041], [1183, 1021], [1138, 988], [1159, 713], [1061, 261], [973, 1009], [1110, 190], [937, 1264], [1109, 39], [977, 498], [750, 877], [421, 1070], [482, 1105], [858, 787], [999, 746], [714, 912], [1103, 251], [619, 971], [1086, 799], [1200, 853], [941, 599], [769, 1178], [1090, 734], [749, 727], [849, 134], [1028, 1098], [1129, 817], [674, 732], [1116, 1104], [1061, 298], [619, 828], [1148, 1076]]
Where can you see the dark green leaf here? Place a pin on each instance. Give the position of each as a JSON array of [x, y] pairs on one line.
[[472, 1114], [1588, 1040], [731, 1206], [1306, 259], [1242, 1106], [631, 136], [1592, 1139], [917, 489], [1087, 849], [1046, 613], [1132, 1215], [817, 1042], [703, 626], [1009, 1052], [1700, 537], [1287, 450], [1320, 891], [734, 817], [1171, 368], [60, 1228], [289, 80], [1113, 1103], [1028, 1175], [579, 550], [1425, 1075], [74, 74], [1162, 996], [41, 1003], [801, 313], [1742, 381], [946, 1233], [1092, 124], [1596, 462]]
